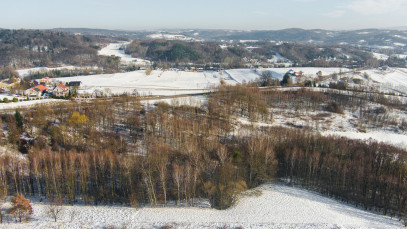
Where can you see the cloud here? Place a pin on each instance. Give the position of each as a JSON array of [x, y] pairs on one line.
[[334, 14], [375, 7]]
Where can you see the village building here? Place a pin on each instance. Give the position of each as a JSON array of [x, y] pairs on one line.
[[60, 90], [45, 81], [74, 86], [36, 91]]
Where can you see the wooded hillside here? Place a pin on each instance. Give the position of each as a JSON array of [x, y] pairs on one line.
[[33, 48]]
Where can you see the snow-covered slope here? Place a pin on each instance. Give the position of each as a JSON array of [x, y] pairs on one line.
[[278, 207], [117, 49], [26, 72], [394, 76], [395, 139], [240, 75]]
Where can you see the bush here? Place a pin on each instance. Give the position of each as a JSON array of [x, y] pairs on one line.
[[148, 71], [334, 108], [21, 208], [338, 86]]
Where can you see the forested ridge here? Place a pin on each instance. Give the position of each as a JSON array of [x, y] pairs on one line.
[[39, 48], [209, 54], [183, 53], [118, 151]]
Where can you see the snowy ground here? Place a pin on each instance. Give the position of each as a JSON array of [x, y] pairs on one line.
[[176, 82], [278, 206], [399, 140], [28, 103], [28, 71], [157, 83], [117, 49], [392, 80], [307, 71], [195, 101]]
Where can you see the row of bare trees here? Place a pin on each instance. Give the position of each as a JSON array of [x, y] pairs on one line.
[[369, 174]]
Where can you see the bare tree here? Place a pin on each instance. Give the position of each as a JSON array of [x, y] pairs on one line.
[[55, 207]]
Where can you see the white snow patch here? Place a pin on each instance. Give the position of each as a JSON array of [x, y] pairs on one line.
[[28, 71], [172, 37], [28, 103], [307, 71], [194, 101], [399, 140], [401, 37], [248, 41], [399, 44], [380, 56], [393, 77], [117, 49]]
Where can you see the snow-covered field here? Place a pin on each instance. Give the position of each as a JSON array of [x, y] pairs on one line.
[[177, 82], [307, 71], [278, 206], [28, 103], [28, 71], [157, 83], [117, 49]]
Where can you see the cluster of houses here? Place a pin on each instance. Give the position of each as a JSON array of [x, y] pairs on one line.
[[52, 87]]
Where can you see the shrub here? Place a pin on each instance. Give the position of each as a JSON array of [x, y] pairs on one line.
[[21, 208], [334, 108], [55, 208], [148, 71]]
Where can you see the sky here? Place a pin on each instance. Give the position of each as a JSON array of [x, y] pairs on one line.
[[203, 14]]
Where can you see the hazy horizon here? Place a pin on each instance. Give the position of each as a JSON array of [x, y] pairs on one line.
[[224, 14]]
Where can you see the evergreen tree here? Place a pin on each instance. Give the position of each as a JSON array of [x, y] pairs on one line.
[[286, 80], [19, 119]]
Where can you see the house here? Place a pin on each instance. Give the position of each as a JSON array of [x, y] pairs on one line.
[[74, 86], [36, 91], [60, 90], [300, 73], [45, 81], [291, 72]]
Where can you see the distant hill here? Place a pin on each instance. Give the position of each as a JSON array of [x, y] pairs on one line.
[[115, 34], [31, 48], [364, 38]]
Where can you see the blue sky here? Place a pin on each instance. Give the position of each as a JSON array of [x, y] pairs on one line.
[[204, 14]]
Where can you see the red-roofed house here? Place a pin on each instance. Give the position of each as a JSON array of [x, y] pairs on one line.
[[35, 91], [60, 90]]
